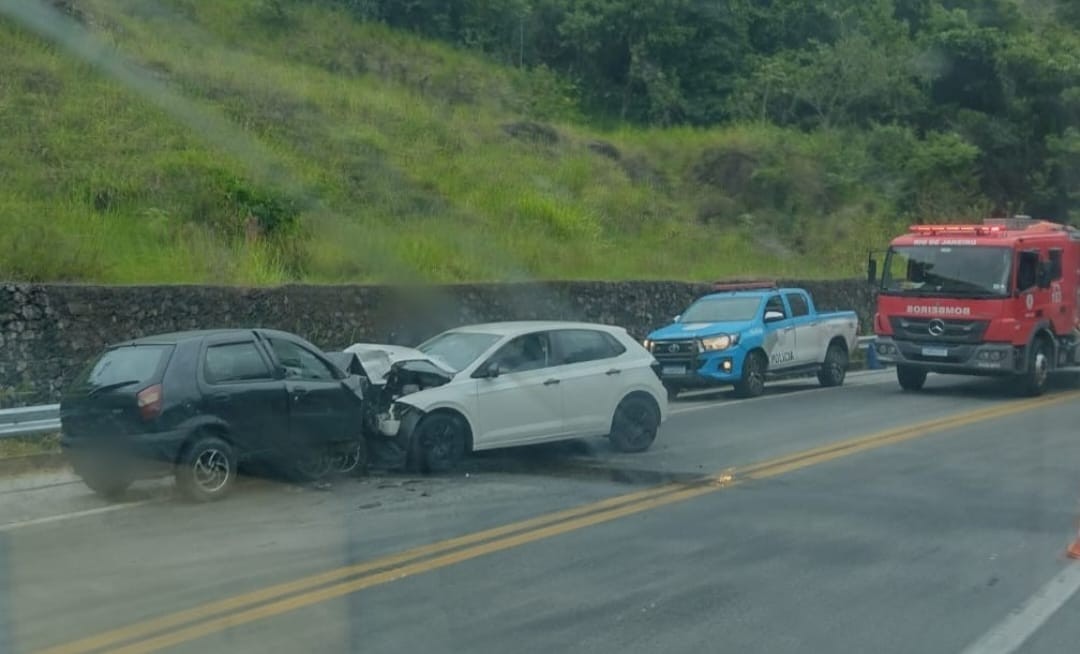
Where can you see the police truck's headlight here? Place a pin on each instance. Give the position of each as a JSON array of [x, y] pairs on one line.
[[721, 342]]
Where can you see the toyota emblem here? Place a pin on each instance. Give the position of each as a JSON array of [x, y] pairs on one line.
[[674, 347], [936, 327]]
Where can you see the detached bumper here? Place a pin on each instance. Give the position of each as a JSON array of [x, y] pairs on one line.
[[977, 359]]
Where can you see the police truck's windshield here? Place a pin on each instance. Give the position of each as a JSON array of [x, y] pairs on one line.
[[947, 271], [722, 309]]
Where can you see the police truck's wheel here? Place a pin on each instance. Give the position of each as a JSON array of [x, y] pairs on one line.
[[911, 379], [834, 369], [1038, 369], [752, 383]]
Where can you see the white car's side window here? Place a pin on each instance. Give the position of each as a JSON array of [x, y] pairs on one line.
[[583, 345], [524, 353]]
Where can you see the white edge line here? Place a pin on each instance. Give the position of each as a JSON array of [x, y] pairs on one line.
[[720, 405], [1012, 632], [12, 526]]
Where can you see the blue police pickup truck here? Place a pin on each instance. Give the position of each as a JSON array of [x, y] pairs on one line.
[[741, 335]]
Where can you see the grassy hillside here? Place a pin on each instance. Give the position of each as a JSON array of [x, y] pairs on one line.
[[263, 141]]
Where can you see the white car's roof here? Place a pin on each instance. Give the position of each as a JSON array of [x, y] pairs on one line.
[[509, 328]]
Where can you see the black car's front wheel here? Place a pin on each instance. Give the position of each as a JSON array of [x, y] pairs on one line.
[[207, 469], [351, 459]]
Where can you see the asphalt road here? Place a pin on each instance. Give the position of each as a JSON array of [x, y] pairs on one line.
[[859, 519]]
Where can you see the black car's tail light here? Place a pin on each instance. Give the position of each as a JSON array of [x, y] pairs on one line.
[[150, 402]]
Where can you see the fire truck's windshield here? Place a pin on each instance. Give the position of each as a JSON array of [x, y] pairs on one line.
[[947, 271]]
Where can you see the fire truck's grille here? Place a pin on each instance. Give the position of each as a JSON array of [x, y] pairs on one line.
[[938, 330]]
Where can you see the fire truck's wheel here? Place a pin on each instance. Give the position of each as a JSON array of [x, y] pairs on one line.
[[911, 379], [1038, 370]]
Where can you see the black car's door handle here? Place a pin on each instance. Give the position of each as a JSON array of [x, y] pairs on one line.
[[551, 382], [613, 371], [220, 398]]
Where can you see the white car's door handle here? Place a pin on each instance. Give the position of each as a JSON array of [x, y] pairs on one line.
[[551, 382], [613, 371]]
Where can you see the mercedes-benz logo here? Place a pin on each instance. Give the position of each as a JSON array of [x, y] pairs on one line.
[[936, 327], [674, 347]]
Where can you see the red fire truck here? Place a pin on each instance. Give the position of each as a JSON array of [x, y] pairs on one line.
[[998, 298]]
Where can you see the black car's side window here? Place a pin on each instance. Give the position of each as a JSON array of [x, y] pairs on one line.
[[528, 352], [300, 363], [582, 345], [235, 362]]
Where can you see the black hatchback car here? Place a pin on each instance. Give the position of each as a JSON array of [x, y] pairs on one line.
[[201, 403]]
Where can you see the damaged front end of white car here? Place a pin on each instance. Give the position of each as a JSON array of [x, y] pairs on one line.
[[395, 372]]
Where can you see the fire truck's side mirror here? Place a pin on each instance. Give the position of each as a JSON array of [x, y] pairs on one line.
[[871, 271]]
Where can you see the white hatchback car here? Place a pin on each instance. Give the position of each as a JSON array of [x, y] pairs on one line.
[[518, 383]]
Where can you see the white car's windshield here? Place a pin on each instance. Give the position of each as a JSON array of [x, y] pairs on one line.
[[457, 349], [722, 309]]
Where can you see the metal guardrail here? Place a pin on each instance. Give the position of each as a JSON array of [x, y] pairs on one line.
[[45, 418], [30, 421]]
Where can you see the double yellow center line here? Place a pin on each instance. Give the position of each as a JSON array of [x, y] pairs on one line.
[[169, 630]]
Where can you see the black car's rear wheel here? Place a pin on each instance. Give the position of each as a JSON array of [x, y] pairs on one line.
[[207, 469], [109, 484]]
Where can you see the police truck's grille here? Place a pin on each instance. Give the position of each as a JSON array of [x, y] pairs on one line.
[[668, 351]]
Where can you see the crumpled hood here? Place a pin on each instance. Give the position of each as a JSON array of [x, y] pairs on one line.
[[680, 330], [377, 358]]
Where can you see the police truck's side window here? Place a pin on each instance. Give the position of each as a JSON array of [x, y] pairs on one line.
[[776, 304], [799, 305]]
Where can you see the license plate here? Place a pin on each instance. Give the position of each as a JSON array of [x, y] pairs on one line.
[[935, 351], [673, 370]]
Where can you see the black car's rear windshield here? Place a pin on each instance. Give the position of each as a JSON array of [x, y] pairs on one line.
[[130, 364]]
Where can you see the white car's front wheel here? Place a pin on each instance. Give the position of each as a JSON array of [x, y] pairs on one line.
[[634, 426], [438, 443]]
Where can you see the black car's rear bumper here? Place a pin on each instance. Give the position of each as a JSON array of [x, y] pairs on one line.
[[150, 449]]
